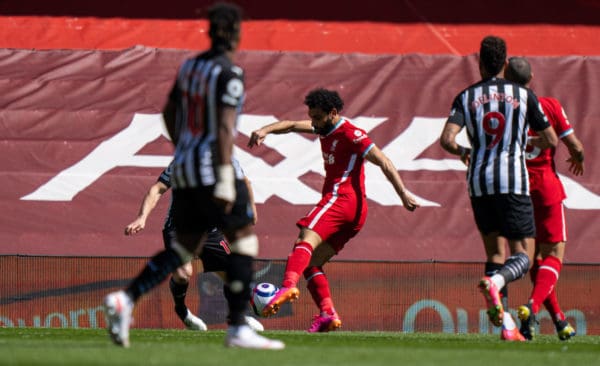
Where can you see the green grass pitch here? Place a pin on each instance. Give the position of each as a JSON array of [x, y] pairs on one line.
[[54, 346]]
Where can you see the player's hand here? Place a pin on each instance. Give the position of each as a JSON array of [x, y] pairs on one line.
[[224, 193], [465, 155], [226, 205], [466, 158], [408, 201], [576, 166], [256, 138], [135, 227]]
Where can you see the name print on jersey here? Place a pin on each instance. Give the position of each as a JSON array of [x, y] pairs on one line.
[[494, 97]]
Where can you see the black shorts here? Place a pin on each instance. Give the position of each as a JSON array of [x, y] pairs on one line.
[[195, 212], [511, 215], [215, 250]]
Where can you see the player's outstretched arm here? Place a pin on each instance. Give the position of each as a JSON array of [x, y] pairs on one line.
[[448, 142], [258, 136], [576, 151], [148, 203], [378, 158]]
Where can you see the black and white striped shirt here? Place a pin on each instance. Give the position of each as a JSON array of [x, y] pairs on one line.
[[497, 115], [165, 178], [204, 83]]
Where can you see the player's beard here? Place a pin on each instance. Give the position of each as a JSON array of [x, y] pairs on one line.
[[323, 131]]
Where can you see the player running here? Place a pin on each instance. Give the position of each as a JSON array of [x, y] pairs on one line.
[[497, 115], [547, 195]]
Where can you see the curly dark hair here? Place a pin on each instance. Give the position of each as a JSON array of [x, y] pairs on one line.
[[518, 70], [224, 28], [324, 99], [492, 54]]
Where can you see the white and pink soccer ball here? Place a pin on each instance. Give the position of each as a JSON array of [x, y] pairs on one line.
[[261, 295]]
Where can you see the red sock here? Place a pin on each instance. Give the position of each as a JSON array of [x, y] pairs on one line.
[[297, 262], [553, 308], [318, 286], [546, 278]]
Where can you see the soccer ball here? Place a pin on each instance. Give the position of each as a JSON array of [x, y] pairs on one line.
[[261, 295]]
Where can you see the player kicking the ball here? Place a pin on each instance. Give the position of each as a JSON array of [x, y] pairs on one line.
[[342, 211]]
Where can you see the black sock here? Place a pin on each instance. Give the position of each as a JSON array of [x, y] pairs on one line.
[[156, 270], [491, 269], [179, 290], [515, 267], [239, 276]]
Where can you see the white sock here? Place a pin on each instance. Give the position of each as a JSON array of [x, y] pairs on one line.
[[498, 280], [508, 322]]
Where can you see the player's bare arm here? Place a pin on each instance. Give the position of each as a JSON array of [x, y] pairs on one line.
[[377, 157], [258, 136], [252, 202], [546, 138], [448, 142], [148, 203], [576, 154]]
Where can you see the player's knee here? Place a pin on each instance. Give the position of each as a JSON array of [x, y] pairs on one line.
[[184, 273], [248, 245], [236, 286], [184, 254], [180, 277]]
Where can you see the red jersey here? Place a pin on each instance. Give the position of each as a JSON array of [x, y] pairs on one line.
[[342, 211], [344, 149], [544, 184]]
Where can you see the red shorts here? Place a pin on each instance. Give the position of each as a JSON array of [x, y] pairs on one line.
[[550, 223], [336, 219]]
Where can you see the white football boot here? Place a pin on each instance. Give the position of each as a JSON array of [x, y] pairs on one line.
[[118, 308], [192, 322], [242, 336], [254, 324]]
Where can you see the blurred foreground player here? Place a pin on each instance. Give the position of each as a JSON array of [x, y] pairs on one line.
[[208, 186], [215, 252]]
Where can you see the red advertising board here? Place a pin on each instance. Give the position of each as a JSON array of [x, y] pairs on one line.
[[374, 296]]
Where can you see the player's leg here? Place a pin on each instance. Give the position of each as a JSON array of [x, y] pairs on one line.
[[118, 306], [487, 221], [318, 286], [239, 274], [178, 285], [490, 289], [513, 218], [544, 291], [214, 257], [551, 238], [496, 252], [238, 228], [547, 274], [298, 260]]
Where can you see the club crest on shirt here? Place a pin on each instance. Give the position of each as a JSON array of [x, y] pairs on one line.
[[333, 145]]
